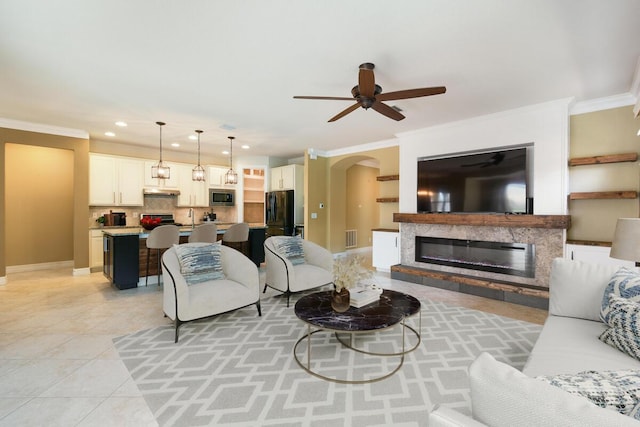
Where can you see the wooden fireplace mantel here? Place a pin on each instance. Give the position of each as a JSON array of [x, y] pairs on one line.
[[487, 220]]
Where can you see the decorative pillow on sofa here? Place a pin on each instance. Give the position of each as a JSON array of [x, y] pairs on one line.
[[615, 390], [624, 283], [200, 263], [291, 248], [623, 320]]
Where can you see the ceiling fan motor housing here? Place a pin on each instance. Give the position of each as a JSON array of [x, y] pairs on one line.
[[364, 101]]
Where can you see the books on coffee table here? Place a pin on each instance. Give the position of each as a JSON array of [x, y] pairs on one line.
[[359, 297]]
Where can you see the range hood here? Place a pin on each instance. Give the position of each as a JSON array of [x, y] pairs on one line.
[[160, 192]]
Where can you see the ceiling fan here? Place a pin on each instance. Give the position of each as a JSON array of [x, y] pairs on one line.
[[368, 94]]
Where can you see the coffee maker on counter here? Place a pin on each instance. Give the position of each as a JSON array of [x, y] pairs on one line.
[[115, 219]]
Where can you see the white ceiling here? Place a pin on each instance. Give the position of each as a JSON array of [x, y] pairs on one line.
[[205, 64]]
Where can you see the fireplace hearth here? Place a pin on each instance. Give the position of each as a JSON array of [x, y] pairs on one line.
[[516, 259]]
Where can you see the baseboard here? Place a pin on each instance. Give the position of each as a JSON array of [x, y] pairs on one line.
[[41, 266], [3, 280]]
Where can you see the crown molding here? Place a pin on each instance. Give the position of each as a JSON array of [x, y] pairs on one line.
[[359, 148], [599, 104], [40, 128]]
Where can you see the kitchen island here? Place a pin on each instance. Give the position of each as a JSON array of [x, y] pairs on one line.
[[125, 252]]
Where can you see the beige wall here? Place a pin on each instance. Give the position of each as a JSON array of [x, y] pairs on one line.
[[361, 205], [80, 149], [326, 181], [600, 133], [39, 197]]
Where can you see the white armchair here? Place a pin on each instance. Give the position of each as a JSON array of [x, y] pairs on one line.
[[289, 276], [183, 302]]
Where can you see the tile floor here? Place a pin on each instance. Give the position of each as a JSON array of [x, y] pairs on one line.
[[58, 365]]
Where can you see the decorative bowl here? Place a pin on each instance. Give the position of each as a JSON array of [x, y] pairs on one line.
[[149, 226]]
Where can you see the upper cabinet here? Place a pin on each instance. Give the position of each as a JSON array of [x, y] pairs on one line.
[[288, 177], [192, 193], [216, 177], [115, 181], [170, 183]]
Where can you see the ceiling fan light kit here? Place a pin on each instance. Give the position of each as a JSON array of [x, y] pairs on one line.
[[368, 94], [159, 170]]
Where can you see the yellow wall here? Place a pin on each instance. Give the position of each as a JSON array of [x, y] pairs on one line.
[[326, 181], [80, 149], [39, 197], [362, 209], [612, 131]]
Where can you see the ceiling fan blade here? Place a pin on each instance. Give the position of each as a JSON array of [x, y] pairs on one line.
[[387, 111], [345, 112], [366, 81], [411, 93], [334, 98]]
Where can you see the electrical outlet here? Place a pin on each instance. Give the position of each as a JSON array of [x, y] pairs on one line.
[[314, 215], [95, 215]]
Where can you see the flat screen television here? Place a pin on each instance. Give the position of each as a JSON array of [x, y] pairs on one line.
[[487, 182]]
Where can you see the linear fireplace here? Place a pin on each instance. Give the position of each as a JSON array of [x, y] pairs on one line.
[[517, 259]]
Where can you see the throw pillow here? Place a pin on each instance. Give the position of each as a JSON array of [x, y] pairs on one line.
[[624, 283], [623, 320], [200, 263], [291, 248], [615, 390]]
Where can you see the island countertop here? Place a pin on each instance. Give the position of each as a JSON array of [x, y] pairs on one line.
[[185, 230]]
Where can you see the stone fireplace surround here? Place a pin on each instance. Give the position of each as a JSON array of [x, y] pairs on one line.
[[546, 232]]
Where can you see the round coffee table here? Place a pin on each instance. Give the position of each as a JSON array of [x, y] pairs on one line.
[[391, 309]]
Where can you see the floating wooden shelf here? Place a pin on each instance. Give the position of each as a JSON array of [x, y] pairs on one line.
[[597, 160], [387, 199], [604, 195], [388, 178], [487, 220]]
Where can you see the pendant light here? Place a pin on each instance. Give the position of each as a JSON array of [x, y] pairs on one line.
[[231, 177], [197, 174], [159, 170]]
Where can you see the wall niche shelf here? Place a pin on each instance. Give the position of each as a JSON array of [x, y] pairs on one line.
[[609, 158], [604, 195], [388, 178]]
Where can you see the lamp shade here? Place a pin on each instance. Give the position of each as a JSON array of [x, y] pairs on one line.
[[626, 240]]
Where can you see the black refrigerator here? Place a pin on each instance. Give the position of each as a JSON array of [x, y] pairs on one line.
[[279, 213]]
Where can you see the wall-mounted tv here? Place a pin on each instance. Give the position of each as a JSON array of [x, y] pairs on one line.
[[483, 182]]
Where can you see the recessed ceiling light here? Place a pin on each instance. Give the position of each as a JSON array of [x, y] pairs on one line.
[[193, 137], [245, 147], [175, 144], [121, 124], [225, 152], [110, 133]]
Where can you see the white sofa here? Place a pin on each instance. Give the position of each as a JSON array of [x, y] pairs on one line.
[[503, 396]]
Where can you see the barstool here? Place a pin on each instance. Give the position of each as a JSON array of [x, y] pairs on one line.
[[162, 237], [237, 237], [207, 233]]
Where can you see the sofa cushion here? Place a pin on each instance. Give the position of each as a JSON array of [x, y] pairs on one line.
[[614, 390], [567, 345], [503, 396], [291, 248], [624, 283], [199, 263], [623, 319]]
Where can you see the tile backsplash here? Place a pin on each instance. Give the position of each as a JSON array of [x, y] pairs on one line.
[[163, 205]]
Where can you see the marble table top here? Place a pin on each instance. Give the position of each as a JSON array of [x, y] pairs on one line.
[[392, 307]]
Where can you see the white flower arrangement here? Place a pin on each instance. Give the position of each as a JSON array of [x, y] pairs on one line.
[[348, 270]]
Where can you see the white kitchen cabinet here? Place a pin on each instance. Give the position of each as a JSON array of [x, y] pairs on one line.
[[115, 181], [386, 250], [192, 193], [216, 176], [594, 254], [170, 183], [95, 248], [290, 177]]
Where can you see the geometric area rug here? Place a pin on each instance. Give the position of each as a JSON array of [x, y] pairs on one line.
[[238, 369]]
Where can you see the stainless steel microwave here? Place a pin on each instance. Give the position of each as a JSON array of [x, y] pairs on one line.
[[218, 197]]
